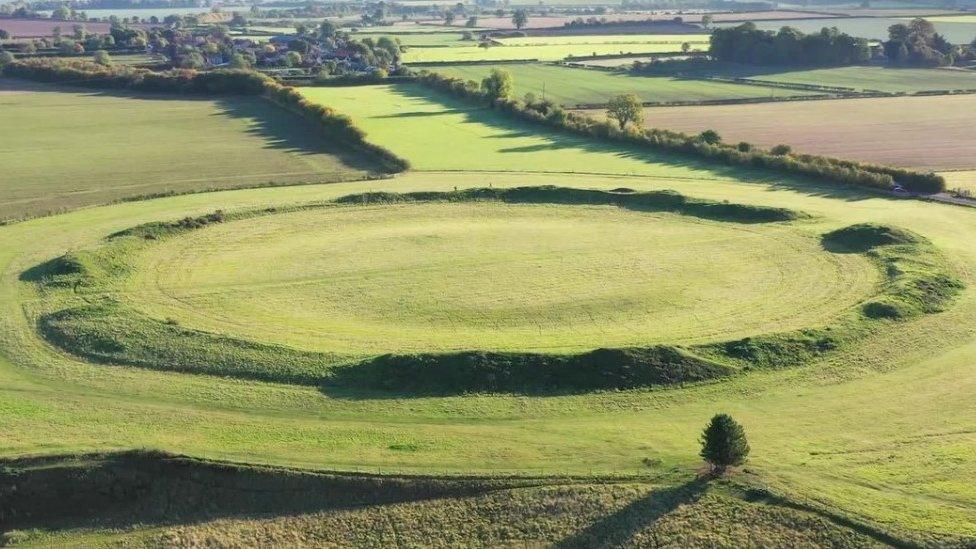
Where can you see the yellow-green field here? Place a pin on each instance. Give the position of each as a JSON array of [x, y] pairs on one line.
[[547, 52], [876, 432]]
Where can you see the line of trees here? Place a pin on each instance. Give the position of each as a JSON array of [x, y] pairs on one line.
[[780, 158], [917, 44], [747, 44], [909, 44]]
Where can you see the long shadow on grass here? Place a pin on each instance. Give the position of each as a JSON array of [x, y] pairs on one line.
[[617, 529], [124, 489], [286, 131], [516, 127]]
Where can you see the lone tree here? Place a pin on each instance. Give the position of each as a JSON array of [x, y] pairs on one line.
[[724, 443], [626, 108], [520, 18], [710, 136], [498, 85]]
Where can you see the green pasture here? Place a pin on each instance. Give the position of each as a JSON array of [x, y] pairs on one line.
[[836, 431], [446, 277], [96, 147], [537, 53], [878, 431], [435, 132], [575, 86]]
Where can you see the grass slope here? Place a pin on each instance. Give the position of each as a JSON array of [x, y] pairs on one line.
[[65, 498], [573, 86], [62, 148]]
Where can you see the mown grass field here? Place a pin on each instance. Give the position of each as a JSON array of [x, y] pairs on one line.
[[414, 278], [574, 86], [536, 53], [931, 133], [98, 147]]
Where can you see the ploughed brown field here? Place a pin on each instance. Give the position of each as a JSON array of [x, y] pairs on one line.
[[39, 28], [932, 133]]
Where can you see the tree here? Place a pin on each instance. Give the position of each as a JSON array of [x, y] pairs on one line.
[[102, 58], [6, 57], [520, 18], [238, 61], [471, 22], [780, 150], [292, 59], [706, 20], [449, 17], [626, 108], [724, 443], [685, 46], [710, 136], [498, 84]]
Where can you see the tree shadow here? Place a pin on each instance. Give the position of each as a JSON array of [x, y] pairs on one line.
[[286, 131], [616, 529], [513, 127]]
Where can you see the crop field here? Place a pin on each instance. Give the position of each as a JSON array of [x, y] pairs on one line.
[[181, 145], [961, 179], [932, 133], [537, 53], [575, 86]]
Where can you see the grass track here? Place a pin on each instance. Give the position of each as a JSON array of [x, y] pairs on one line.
[[98, 147], [882, 432]]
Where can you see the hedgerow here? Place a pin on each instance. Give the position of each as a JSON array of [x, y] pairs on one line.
[[821, 167]]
